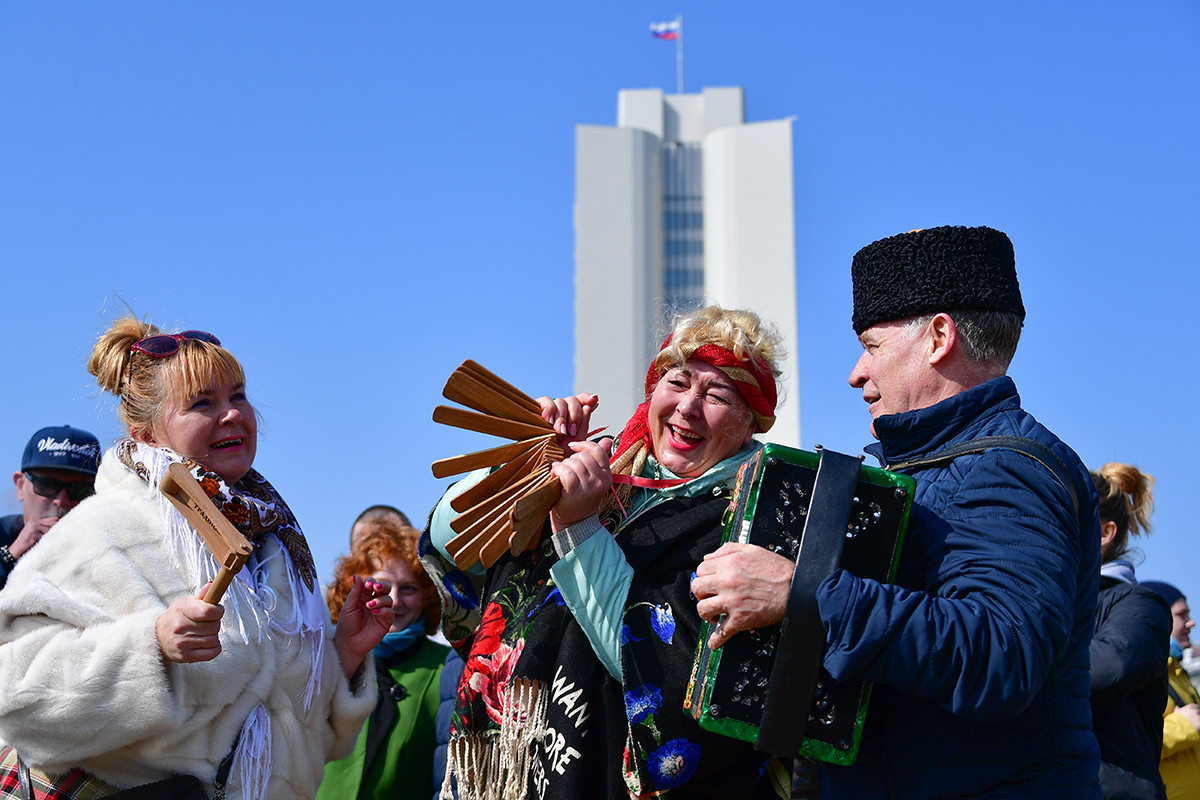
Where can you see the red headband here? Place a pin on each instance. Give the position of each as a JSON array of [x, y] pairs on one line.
[[753, 378], [754, 381]]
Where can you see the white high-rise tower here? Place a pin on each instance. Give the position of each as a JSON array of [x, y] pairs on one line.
[[682, 203]]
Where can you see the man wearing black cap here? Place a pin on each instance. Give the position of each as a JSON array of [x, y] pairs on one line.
[[979, 652], [58, 470]]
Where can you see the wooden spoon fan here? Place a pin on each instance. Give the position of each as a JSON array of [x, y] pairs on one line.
[[507, 509]]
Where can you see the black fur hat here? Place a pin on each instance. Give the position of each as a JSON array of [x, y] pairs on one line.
[[951, 268]]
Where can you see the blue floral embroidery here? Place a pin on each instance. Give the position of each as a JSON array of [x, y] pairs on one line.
[[461, 589], [663, 622], [627, 635], [554, 595], [673, 763], [640, 703]]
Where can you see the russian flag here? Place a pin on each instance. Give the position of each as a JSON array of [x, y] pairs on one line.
[[665, 30]]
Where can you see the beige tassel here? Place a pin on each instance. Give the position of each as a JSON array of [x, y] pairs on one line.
[[496, 765]]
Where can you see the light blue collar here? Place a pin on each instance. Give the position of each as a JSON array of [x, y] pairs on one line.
[[721, 474], [399, 641], [1118, 569]]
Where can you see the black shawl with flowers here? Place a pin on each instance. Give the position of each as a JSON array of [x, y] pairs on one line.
[[538, 715]]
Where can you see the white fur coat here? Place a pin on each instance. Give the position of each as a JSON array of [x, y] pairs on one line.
[[82, 682]]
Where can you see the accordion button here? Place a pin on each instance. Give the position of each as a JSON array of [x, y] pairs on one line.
[[714, 710]]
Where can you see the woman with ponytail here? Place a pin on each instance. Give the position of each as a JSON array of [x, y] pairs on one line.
[[117, 674], [1129, 647], [575, 679]]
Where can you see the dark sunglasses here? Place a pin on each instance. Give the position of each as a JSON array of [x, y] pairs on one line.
[[50, 487], [165, 344]]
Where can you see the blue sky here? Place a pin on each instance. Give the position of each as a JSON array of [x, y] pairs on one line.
[[356, 197]]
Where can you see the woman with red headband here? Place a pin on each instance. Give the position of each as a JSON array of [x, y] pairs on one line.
[[119, 678], [575, 679]]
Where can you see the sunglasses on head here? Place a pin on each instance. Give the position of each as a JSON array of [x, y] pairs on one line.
[[165, 344], [50, 487]]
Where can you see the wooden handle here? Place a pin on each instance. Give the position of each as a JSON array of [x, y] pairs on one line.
[[500, 502], [528, 514], [501, 386], [465, 388], [465, 548], [504, 476], [216, 590], [485, 530], [494, 456], [228, 545], [486, 423]]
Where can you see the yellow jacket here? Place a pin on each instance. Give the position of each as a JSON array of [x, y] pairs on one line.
[[1180, 765]]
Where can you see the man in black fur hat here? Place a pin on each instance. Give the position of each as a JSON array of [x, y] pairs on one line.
[[979, 651]]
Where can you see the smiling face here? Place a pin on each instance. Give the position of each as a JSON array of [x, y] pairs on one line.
[[217, 428], [697, 419], [894, 370], [406, 593]]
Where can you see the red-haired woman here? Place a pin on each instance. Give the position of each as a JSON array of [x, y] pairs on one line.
[[393, 757]]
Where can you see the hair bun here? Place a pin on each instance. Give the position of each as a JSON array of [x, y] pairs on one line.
[[110, 356]]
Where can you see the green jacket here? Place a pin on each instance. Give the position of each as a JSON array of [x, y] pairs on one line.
[[393, 757]]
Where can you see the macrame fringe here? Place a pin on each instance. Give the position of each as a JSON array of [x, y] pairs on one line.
[[193, 557], [252, 759], [496, 765], [304, 617], [316, 649]]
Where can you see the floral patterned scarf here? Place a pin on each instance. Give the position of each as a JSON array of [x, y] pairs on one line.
[[251, 504]]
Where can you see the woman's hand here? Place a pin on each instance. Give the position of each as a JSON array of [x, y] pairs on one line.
[[585, 477], [569, 416], [189, 631], [366, 616]]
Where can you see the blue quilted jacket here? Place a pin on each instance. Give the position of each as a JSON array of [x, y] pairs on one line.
[[447, 690], [979, 653]]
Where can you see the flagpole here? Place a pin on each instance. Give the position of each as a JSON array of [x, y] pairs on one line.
[[679, 53]]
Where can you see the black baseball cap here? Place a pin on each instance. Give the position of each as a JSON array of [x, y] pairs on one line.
[[62, 447]]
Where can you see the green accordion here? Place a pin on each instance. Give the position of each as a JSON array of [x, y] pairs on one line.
[[823, 510]]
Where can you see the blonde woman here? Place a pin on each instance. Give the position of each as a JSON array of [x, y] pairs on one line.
[[574, 682], [117, 674]]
